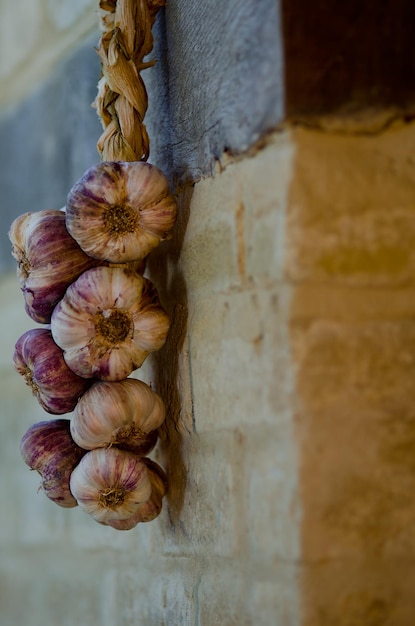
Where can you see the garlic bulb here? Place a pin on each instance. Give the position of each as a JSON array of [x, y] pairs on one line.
[[119, 211], [149, 510], [125, 413], [110, 484], [48, 448], [40, 361], [108, 322], [48, 258]]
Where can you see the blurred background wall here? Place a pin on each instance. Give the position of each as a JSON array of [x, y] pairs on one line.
[[286, 132]]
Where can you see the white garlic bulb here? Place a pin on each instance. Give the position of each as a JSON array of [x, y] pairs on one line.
[[48, 448], [40, 361], [149, 510], [48, 258], [125, 414], [120, 211], [108, 322], [110, 484]]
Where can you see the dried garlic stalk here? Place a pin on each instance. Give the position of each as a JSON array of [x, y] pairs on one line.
[[121, 102]]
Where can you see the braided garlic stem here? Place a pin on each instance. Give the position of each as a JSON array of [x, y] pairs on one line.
[[121, 101]]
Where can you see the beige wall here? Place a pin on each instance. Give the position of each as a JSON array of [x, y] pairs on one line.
[[351, 256], [34, 36], [288, 375]]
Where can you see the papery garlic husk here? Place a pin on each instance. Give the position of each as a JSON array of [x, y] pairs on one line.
[[149, 510], [110, 484], [48, 448], [125, 414], [120, 211], [40, 361], [48, 258], [138, 267], [108, 322]]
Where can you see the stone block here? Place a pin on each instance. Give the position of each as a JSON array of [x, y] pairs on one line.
[[351, 209], [36, 578], [273, 502], [235, 236], [359, 592], [257, 594], [156, 592], [370, 365], [357, 480], [209, 256], [274, 595], [222, 603], [209, 518], [240, 360]]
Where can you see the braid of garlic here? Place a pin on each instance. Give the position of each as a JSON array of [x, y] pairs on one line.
[[121, 101]]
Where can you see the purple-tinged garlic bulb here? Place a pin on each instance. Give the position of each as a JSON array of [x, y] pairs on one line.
[[149, 510], [108, 322], [110, 484], [48, 448], [40, 361], [120, 211], [125, 414], [48, 258]]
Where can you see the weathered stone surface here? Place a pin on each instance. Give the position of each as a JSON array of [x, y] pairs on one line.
[[350, 252], [351, 218]]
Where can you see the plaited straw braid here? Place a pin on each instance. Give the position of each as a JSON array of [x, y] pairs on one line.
[[121, 101]]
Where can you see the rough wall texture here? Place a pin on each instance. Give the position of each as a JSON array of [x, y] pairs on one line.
[[350, 253], [288, 369]]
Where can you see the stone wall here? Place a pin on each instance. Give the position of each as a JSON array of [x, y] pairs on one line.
[[350, 255], [288, 369]]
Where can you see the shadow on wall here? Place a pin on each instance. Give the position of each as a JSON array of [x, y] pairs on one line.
[[163, 267]]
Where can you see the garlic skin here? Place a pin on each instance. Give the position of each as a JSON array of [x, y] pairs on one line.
[[120, 211], [110, 484], [149, 510], [40, 361], [48, 448], [108, 322], [125, 414], [48, 259]]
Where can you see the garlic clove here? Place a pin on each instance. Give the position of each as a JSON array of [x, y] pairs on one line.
[[120, 211], [125, 414], [110, 484], [108, 322], [40, 361], [48, 448], [48, 259], [149, 510]]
